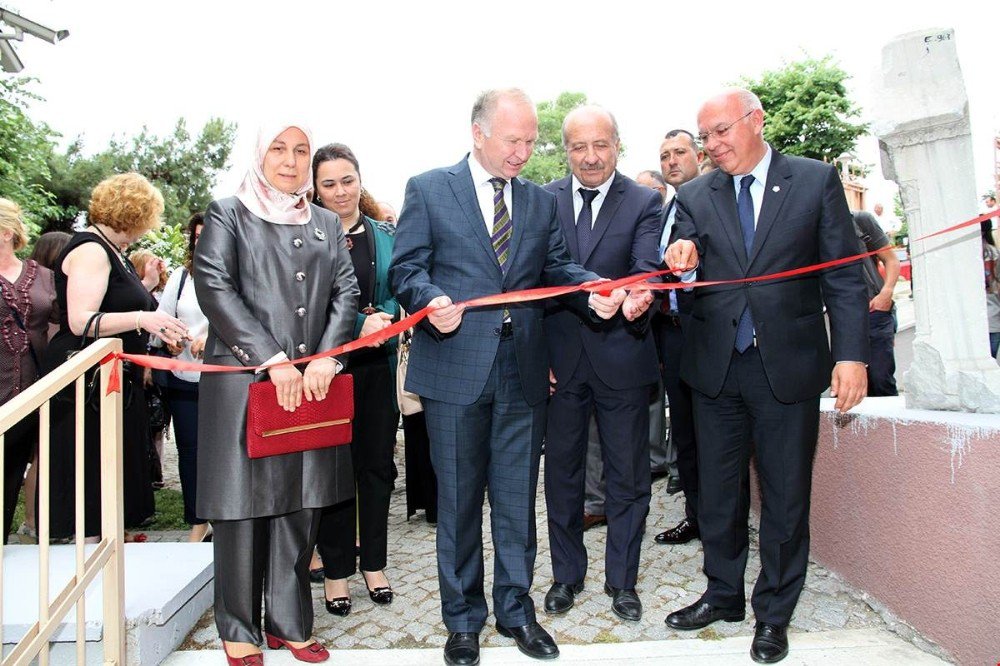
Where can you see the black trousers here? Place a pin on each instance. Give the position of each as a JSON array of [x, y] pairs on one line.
[[264, 558], [182, 396], [421, 482], [375, 419], [623, 424], [746, 418], [882, 360], [669, 343], [19, 445]]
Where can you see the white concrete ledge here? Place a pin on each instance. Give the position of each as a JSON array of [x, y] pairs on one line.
[[895, 408], [836, 648]]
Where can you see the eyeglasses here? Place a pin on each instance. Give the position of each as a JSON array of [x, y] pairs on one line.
[[721, 133]]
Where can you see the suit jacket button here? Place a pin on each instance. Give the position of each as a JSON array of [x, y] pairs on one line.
[[301, 348], [300, 276], [735, 323], [297, 242], [301, 312]]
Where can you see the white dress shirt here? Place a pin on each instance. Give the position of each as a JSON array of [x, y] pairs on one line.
[[484, 193]]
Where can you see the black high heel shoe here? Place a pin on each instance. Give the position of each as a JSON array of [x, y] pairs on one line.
[[380, 595], [340, 606]]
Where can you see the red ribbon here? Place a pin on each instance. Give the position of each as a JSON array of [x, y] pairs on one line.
[[638, 282]]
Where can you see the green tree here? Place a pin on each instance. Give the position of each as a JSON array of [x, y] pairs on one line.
[[25, 148], [548, 162], [808, 112], [183, 167]]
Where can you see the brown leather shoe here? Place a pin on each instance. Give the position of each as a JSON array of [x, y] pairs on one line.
[[592, 520]]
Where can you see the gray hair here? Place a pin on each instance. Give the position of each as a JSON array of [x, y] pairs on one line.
[[655, 175], [589, 107], [748, 100], [486, 105]]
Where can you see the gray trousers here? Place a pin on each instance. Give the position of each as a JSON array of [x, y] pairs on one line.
[[662, 456], [273, 551]]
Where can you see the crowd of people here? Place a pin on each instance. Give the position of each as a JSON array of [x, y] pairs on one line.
[[303, 259]]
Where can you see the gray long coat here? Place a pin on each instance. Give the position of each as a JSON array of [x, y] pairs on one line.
[[267, 288]]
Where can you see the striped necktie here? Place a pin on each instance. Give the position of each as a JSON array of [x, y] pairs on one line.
[[501, 224]]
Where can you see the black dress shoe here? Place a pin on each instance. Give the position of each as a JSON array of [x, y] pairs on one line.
[[340, 606], [673, 485], [317, 576], [531, 640], [462, 649], [684, 531], [770, 643], [559, 598], [701, 614], [624, 603], [380, 595]]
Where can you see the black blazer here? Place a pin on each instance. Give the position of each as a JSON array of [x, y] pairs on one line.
[[803, 220], [625, 242]]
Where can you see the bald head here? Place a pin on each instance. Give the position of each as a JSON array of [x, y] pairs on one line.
[[731, 129], [589, 114], [590, 136]]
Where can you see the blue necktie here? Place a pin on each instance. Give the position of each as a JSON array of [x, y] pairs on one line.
[[744, 206], [585, 222]]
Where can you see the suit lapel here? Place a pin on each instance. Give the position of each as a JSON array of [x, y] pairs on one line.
[[775, 193], [724, 200], [460, 179], [608, 210], [519, 218], [564, 208]]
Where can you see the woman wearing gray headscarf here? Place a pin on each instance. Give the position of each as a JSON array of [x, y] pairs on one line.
[[276, 283]]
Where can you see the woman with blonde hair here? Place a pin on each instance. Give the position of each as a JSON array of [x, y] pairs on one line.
[[25, 312], [275, 280], [99, 294]]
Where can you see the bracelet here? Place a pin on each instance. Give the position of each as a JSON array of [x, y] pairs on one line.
[[138, 329]]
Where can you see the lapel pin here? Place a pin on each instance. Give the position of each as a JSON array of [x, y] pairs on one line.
[[320, 234], [775, 189]]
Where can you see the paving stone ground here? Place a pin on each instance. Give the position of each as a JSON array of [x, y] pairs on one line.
[[670, 577]]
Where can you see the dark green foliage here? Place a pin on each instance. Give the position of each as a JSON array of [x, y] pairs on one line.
[[807, 110], [548, 162]]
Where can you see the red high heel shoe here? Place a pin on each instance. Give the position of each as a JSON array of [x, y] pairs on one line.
[[256, 659], [312, 653]]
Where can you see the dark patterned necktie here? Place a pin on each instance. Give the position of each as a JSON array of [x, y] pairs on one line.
[[585, 222], [501, 224], [744, 206]]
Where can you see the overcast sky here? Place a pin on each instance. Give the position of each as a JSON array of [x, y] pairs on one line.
[[396, 80]]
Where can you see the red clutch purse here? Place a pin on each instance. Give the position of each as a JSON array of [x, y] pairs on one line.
[[316, 424]]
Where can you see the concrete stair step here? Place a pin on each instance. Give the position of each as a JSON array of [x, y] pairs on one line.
[[168, 587]]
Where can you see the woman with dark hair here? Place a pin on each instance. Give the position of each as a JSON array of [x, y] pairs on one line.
[[180, 300], [338, 188], [26, 308], [47, 248], [274, 278]]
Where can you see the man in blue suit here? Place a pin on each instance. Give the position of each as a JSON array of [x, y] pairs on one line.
[[612, 227], [465, 231], [757, 355]]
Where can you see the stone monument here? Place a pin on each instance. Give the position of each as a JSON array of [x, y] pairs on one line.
[[922, 123]]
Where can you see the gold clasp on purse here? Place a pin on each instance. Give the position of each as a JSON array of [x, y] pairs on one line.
[[308, 426]]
